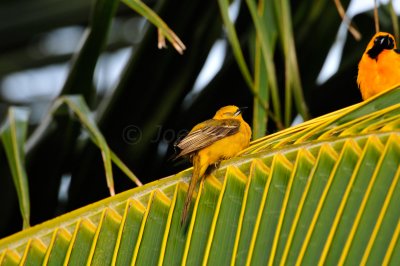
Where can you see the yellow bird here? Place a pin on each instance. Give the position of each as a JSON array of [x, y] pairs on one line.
[[379, 67], [211, 141]]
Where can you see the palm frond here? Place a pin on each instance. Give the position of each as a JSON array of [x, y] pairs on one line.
[[325, 191]]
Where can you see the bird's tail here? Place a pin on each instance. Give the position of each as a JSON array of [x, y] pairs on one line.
[[189, 195]]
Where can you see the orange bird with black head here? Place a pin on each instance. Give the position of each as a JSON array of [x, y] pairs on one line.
[[211, 141], [379, 67]]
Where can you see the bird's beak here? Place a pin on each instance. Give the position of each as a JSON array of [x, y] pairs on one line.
[[239, 111], [385, 39]]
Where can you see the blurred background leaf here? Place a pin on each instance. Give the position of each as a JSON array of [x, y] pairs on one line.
[[143, 98], [13, 136]]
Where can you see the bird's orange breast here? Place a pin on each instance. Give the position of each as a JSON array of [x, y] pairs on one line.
[[378, 74]]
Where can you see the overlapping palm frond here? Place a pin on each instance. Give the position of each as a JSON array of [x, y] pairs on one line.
[[324, 191]]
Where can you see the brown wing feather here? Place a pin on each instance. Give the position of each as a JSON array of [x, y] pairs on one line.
[[213, 131]]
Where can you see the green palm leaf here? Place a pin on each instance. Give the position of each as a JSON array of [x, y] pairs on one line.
[[13, 135], [324, 191]]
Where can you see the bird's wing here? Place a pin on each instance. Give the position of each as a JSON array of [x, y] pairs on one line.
[[206, 134]]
